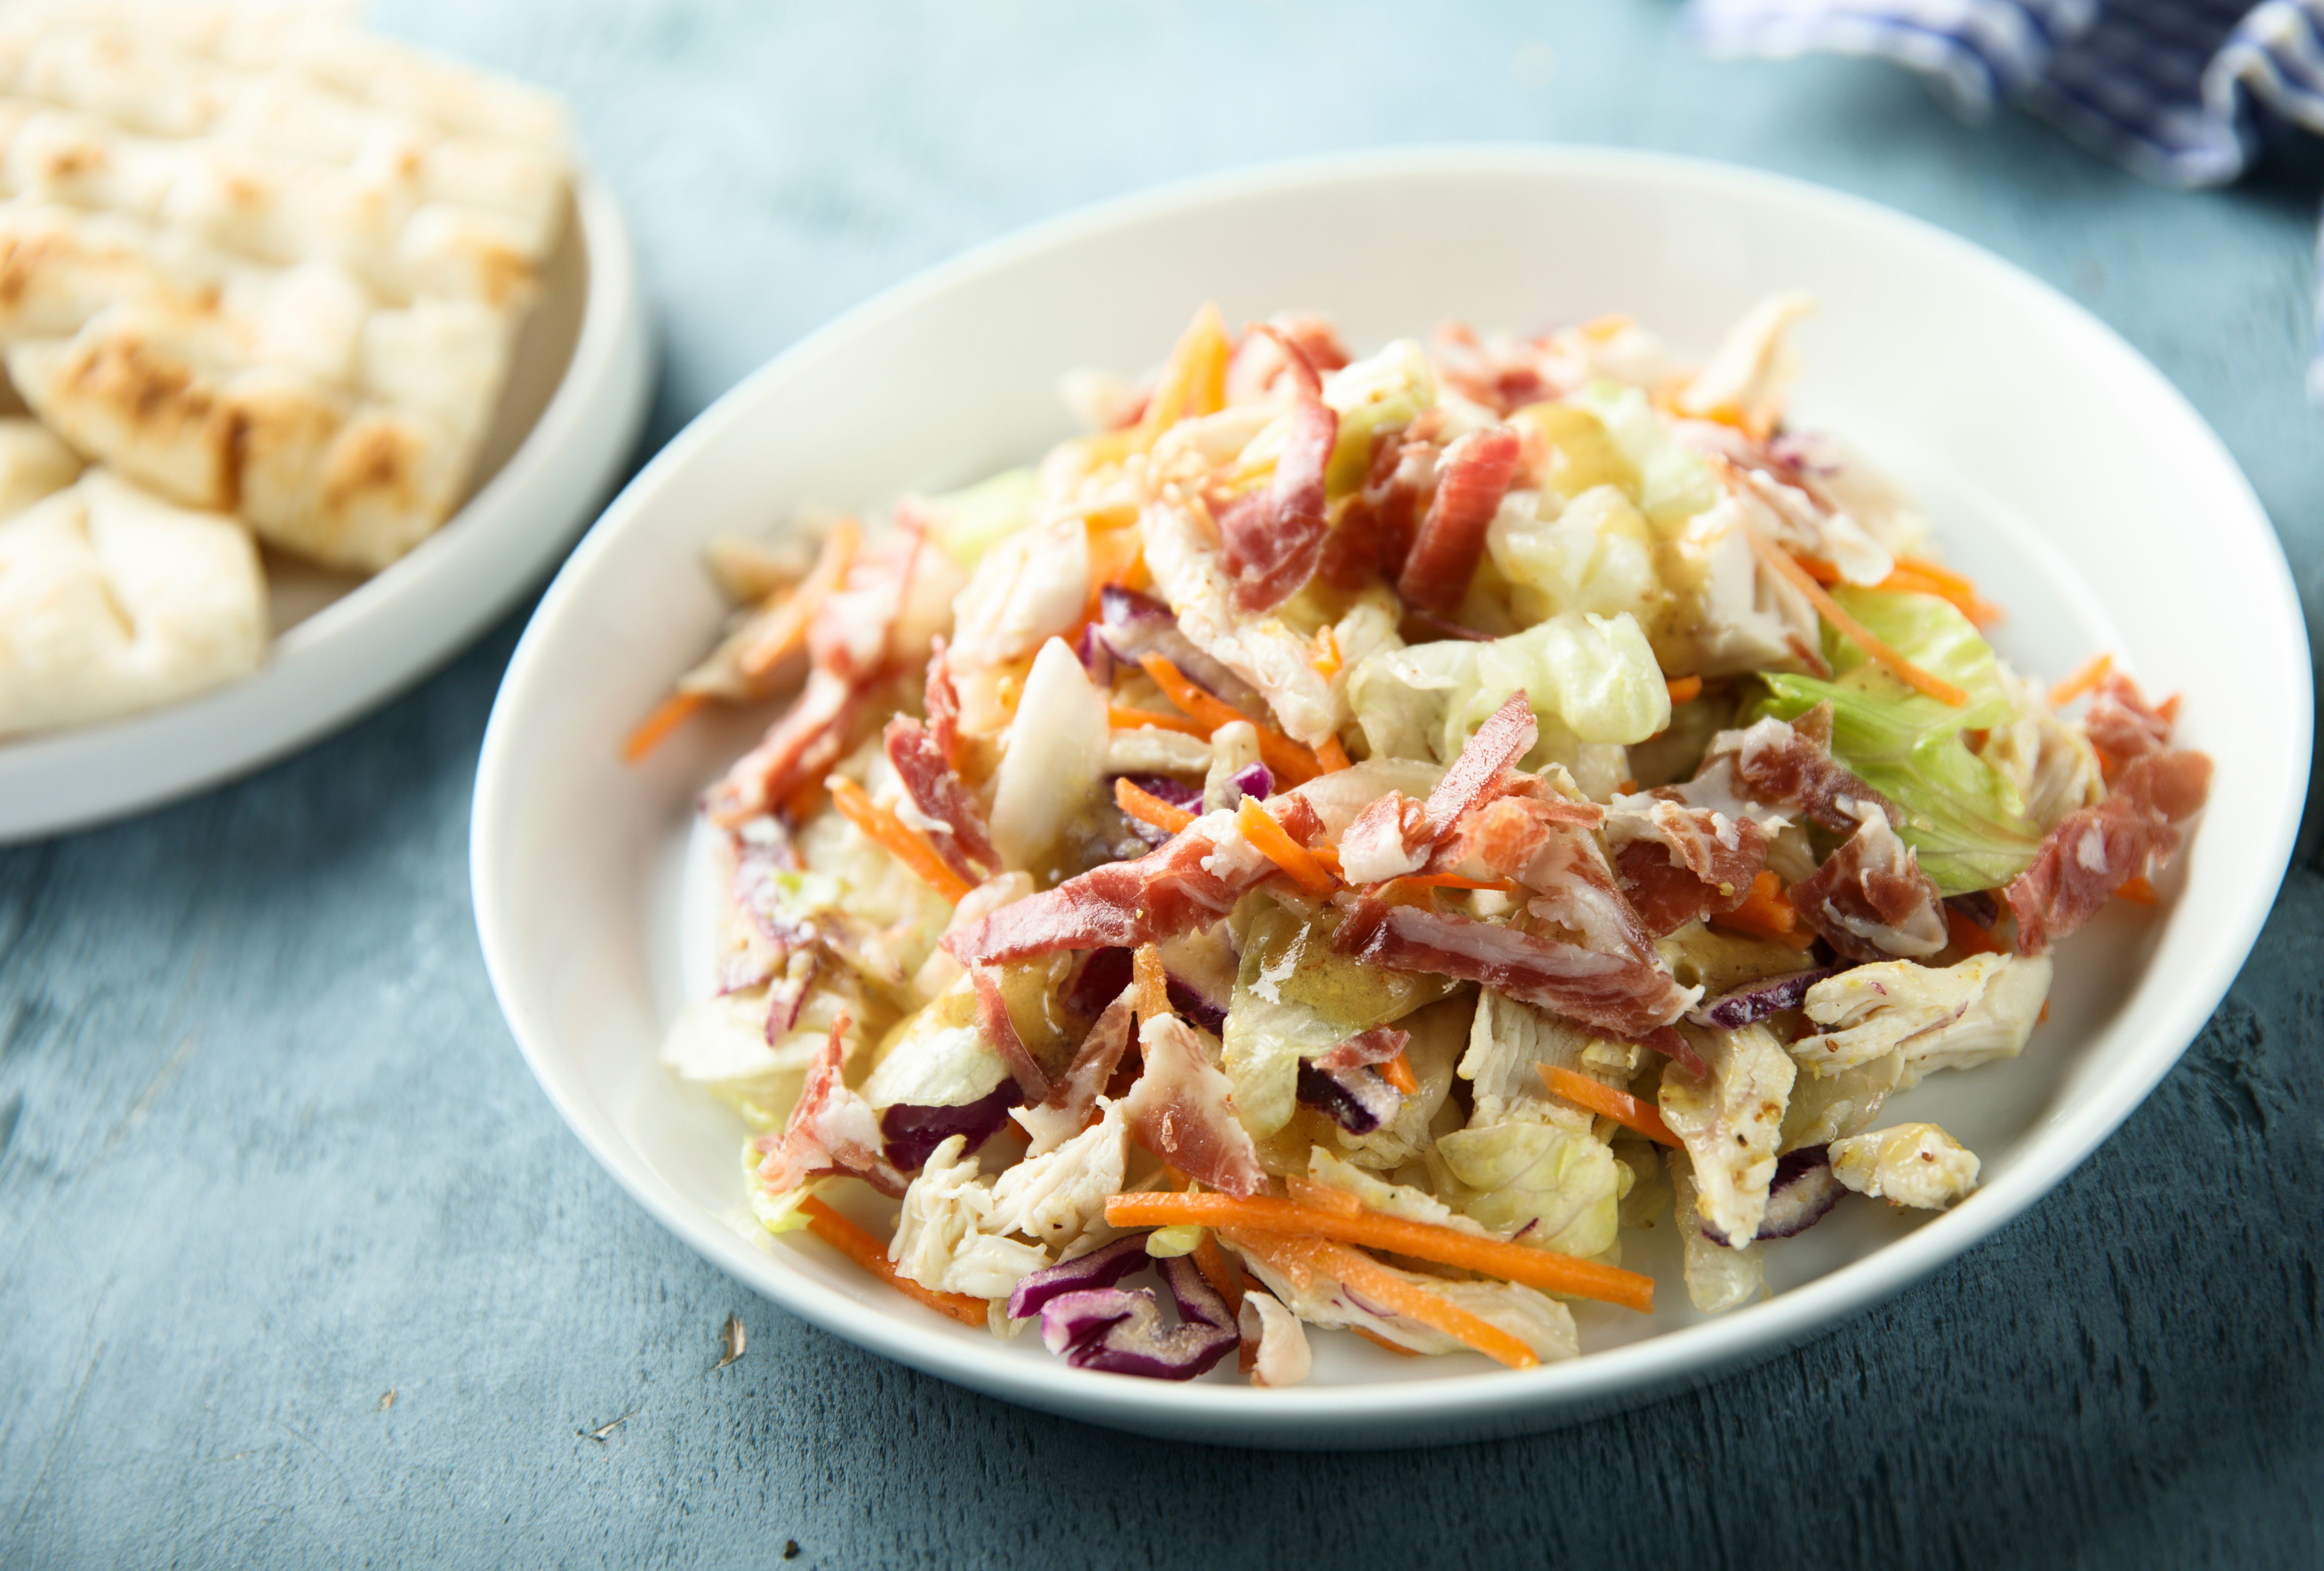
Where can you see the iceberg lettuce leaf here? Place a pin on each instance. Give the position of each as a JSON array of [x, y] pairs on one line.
[[1561, 1184], [972, 521], [1673, 483], [1591, 681], [1966, 818]]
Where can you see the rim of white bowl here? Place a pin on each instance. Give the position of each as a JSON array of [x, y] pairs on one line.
[[1502, 1401], [473, 566]]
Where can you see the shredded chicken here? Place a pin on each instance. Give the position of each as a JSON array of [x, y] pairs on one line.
[[1951, 1017], [946, 1239], [1059, 1195], [1731, 1122], [1912, 1164]]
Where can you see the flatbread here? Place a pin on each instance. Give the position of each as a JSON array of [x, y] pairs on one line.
[[112, 601], [264, 264]]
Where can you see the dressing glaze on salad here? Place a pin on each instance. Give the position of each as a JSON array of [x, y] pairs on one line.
[[1352, 838]]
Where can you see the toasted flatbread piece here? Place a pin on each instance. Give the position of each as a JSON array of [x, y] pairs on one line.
[[261, 262], [32, 464], [112, 601], [349, 480]]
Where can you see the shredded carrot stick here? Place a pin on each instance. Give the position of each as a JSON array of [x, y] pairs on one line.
[[1148, 809], [1607, 1102], [1122, 719], [1378, 1286], [1377, 1340], [2168, 710], [1855, 631], [1966, 935], [1322, 1196], [804, 802], [1193, 379], [1398, 1072], [1516, 1262], [1290, 763], [1822, 572], [870, 1253], [1329, 857], [785, 628], [1457, 881], [2086, 677], [1325, 662], [894, 837], [1222, 1273], [1151, 998], [668, 715], [1331, 757], [1278, 847], [1951, 587], [2137, 892], [1684, 690], [1114, 553], [1764, 913]]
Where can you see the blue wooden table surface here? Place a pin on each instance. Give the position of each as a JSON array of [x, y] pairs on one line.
[[297, 1266]]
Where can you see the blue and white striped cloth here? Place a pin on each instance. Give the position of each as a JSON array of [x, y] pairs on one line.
[[2187, 92]]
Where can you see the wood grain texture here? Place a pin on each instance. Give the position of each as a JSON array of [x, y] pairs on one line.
[[267, 1153]]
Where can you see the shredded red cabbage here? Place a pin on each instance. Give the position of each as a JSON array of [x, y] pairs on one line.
[[1100, 1268], [908, 1135], [1256, 780], [1358, 1100], [1098, 982], [1122, 1331], [1803, 1190], [1198, 1010], [1759, 1001]]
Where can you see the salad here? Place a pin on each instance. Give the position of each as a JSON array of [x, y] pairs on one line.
[[1358, 839]]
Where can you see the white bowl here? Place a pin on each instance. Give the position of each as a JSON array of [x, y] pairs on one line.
[[2062, 471], [576, 399]]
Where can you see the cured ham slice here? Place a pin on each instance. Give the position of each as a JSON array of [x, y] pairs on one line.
[[832, 1130], [993, 1016], [1188, 883], [2122, 725], [1485, 764], [2095, 851], [1376, 1045], [1060, 1116], [1395, 835], [1471, 481], [1616, 993], [943, 703], [801, 746], [848, 643], [1663, 895], [1377, 526], [1684, 862], [1274, 538], [1870, 900], [1788, 766], [1548, 844], [946, 809], [1182, 1110]]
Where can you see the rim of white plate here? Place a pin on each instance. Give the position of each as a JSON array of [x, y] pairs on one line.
[[437, 597], [1497, 1400]]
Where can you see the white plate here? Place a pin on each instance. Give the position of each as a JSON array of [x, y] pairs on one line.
[[2061, 470], [576, 402]]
